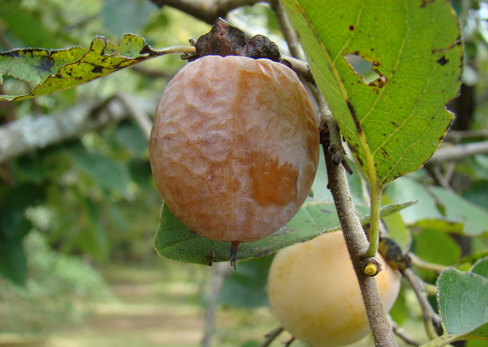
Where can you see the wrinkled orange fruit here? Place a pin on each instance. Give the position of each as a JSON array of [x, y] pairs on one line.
[[314, 292], [234, 147]]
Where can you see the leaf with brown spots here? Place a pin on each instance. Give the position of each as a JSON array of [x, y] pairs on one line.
[[59, 69], [393, 124]]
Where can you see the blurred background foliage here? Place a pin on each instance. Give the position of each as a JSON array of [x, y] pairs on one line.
[[77, 219]]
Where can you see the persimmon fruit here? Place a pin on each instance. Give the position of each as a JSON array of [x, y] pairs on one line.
[[234, 147], [314, 292]]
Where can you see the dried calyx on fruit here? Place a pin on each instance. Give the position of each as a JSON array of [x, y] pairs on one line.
[[234, 146], [224, 40]]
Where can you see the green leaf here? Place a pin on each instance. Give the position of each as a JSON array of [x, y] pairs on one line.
[[13, 224], [396, 227], [476, 194], [400, 310], [114, 15], [13, 227], [481, 267], [438, 209], [55, 70], [176, 241], [247, 287], [131, 137], [404, 189], [463, 307], [462, 301], [435, 246], [13, 264], [480, 333], [27, 25], [394, 124], [103, 170], [471, 259], [93, 240], [457, 209]]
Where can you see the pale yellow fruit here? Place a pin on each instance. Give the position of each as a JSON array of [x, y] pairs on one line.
[[314, 292], [234, 147]]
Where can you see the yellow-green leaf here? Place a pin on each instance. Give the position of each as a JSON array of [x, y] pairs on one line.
[[55, 70]]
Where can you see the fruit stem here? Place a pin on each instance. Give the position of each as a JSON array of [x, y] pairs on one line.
[[233, 253], [374, 234]]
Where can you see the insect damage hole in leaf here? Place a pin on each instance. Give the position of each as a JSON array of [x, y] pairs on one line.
[[365, 69]]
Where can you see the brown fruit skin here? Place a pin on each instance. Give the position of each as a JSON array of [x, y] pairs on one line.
[[234, 147]]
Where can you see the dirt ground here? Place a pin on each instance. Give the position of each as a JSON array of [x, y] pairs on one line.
[[151, 309]]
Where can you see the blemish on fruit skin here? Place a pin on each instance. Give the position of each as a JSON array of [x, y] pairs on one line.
[[266, 174]]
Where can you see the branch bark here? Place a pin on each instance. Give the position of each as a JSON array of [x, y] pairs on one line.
[[288, 32], [357, 244], [206, 10], [138, 114], [32, 133], [401, 333], [221, 272], [457, 136], [273, 334], [432, 321], [459, 152]]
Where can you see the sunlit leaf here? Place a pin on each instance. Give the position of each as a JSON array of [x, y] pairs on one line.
[[55, 70], [396, 227], [395, 123], [438, 209]]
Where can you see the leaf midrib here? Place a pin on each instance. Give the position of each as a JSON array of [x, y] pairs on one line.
[[361, 136]]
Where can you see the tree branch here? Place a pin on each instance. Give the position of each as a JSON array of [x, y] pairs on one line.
[[401, 333], [457, 136], [422, 264], [32, 133], [357, 244], [300, 67], [432, 321], [458, 152], [288, 32], [273, 334], [137, 113], [206, 10], [221, 272]]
